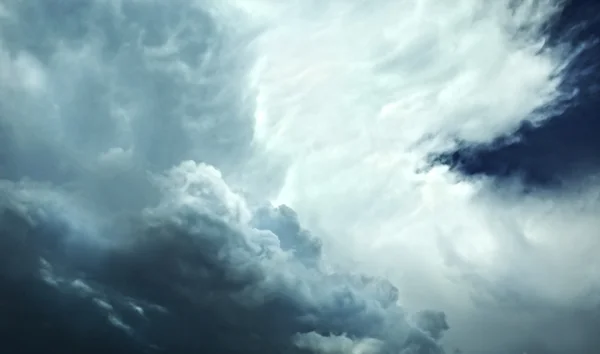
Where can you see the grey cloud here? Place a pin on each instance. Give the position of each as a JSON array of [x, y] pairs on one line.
[[283, 221], [337, 344], [160, 80], [97, 100], [197, 256]]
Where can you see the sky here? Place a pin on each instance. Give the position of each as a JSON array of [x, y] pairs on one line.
[[328, 177]]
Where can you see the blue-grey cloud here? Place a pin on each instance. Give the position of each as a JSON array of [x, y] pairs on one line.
[[134, 192], [116, 243], [195, 261]]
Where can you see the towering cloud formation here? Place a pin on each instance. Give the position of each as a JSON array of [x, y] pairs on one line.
[[254, 176], [112, 241], [195, 261]]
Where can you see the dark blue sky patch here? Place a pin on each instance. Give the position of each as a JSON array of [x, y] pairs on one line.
[[565, 147]]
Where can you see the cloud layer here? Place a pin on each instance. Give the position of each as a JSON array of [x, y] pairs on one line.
[[162, 163]]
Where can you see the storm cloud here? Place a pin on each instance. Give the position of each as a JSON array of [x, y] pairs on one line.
[[193, 266], [301, 177]]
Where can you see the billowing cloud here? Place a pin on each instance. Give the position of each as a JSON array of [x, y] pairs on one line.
[[255, 176], [196, 258], [564, 149]]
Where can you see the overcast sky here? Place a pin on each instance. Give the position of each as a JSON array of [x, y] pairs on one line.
[[302, 176]]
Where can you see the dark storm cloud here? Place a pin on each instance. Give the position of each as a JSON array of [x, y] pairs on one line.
[[97, 99], [192, 273]]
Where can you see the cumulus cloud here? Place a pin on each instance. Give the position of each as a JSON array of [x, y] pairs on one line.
[[196, 254], [372, 91], [163, 163]]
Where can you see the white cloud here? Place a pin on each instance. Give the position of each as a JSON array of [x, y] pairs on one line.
[[355, 95], [331, 106]]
